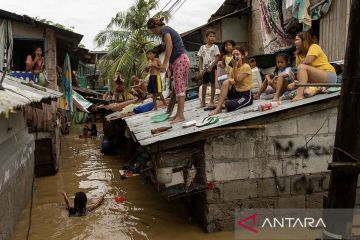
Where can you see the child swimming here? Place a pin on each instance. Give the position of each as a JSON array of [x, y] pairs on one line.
[[80, 201]]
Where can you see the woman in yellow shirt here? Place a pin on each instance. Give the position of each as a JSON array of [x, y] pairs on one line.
[[312, 63], [236, 89]]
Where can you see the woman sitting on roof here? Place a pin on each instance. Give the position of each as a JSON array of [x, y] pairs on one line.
[[312, 63], [237, 89]]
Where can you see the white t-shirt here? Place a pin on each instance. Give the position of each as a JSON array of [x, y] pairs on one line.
[[208, 54], [288, 71]]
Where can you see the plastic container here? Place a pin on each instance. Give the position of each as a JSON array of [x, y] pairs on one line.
[[164, 175], [267, 106]]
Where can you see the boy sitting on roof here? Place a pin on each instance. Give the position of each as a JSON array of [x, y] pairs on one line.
[[139, 88]]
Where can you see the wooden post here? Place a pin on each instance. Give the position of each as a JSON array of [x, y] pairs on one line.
[[343, 181]]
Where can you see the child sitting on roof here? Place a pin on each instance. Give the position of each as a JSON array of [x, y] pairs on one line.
[[139, 88], [279, 81], [237, 89]]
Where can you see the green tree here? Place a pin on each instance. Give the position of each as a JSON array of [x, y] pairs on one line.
[[127, 39]]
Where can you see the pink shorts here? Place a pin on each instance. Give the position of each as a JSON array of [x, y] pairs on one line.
[[180, 70]]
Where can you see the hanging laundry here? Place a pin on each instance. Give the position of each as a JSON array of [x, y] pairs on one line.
[[6, 44], [301, 12], [272, 31], [320, 9]]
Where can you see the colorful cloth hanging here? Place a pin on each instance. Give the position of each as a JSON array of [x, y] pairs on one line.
[[320, 9], [66, 102], [273, 34], [300, 12]]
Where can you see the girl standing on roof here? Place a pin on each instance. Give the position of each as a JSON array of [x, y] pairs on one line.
[[312, 63], [175, 56]]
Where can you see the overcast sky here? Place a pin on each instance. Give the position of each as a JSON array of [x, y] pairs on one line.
[[90, 16]]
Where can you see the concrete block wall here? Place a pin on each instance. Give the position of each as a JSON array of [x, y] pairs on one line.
[[282, 166], [16, 172], [255, 38]]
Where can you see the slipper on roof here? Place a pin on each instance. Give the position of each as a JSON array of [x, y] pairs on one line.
[[210, 108], [207, 121], [160, 117]]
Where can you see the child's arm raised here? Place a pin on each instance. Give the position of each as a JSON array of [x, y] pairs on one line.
[[66, 199], [97, 204]]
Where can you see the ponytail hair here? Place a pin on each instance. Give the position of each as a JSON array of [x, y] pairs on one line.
[[155, 22]]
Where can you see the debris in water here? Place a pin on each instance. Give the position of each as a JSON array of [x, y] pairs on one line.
[[120, 199]]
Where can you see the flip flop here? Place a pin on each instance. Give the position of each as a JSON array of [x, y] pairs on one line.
[[160, 117], [207, 121], [210, 108], [189, 124]]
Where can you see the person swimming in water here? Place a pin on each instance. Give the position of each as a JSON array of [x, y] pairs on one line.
[[80, 201]]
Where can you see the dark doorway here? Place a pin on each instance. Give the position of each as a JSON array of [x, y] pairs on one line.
[[22, 48]]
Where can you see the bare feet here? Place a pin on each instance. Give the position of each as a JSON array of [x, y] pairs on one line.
[[297, 98], [177, 120], [214, 112], [172, 118], [275, 99], [211, 104], [256, 97], [202, 105]]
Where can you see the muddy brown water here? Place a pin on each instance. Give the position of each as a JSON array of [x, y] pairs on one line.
[[144, 215]]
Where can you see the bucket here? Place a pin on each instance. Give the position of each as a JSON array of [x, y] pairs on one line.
[[164, 175]]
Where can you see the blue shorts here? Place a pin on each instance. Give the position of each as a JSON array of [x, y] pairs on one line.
[[331, 77], [154, 85]]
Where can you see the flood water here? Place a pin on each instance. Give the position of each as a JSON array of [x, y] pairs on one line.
[[144, 215]]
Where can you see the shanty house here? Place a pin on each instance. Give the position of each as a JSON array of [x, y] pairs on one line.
[[18, 146], [20, 36]]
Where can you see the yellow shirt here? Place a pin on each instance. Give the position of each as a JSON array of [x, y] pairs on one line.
[[228, 60], [320, 62], [246, 83]]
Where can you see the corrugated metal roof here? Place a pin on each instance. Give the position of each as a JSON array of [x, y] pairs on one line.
[[141, 124], [228, 7], [243, 11], [17, 93]]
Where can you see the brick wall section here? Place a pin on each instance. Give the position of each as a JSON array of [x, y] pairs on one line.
[[51, 58], [269, 167]]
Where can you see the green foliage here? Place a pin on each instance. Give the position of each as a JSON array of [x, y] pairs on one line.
[[81, 45], [127, 39], [58, 25]]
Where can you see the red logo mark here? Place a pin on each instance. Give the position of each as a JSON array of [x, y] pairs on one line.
[[242, 223]]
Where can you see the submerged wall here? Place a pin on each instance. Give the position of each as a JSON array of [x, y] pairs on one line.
[[16, 170], [283, 165]]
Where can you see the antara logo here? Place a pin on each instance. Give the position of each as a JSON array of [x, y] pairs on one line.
[[288, 222]]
